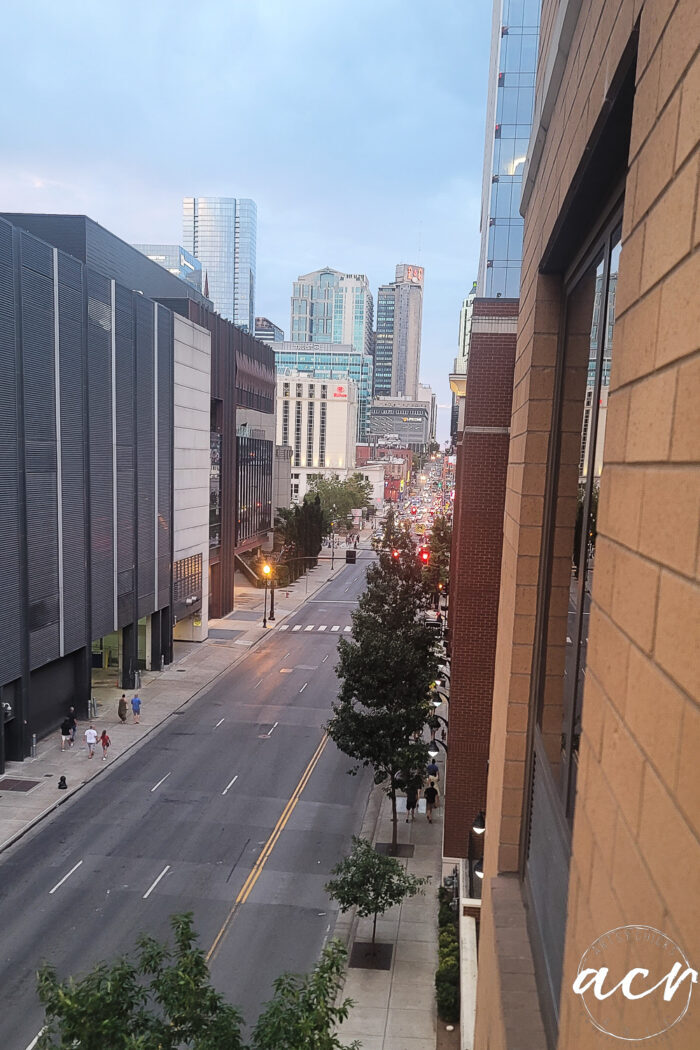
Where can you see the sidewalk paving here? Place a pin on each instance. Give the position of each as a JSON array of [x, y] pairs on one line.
[[196, 666], [395, 1009]]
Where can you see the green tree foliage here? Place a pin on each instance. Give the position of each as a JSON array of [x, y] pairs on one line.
[[438, 569], [303, 1014], [371, 882], [338, 497], [161, 999], [447, 975], [386, 671], [299, 534]]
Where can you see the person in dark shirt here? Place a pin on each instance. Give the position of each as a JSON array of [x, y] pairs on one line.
[[411, 803], [430, 795]]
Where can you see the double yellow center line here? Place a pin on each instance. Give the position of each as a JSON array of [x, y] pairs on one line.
[[247, 887]]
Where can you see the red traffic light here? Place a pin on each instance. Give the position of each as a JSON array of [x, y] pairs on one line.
[[413, 510], [395, 553], [424, 555]]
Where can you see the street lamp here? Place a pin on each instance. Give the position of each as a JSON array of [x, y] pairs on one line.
[[267, 569], [478, 828], [433, 750]]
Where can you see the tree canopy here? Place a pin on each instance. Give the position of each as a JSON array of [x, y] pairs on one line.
[[161, 999], [338, 497], [371, 882], [386, 671]]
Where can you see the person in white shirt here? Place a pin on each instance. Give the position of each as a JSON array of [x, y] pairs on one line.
[[91, 740]]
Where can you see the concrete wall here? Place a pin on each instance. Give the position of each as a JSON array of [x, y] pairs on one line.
[[192, 460]]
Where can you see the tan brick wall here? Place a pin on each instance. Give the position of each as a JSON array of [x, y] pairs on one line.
[[637, 826]]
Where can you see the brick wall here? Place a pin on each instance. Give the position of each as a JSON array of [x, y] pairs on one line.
[[636, 835], [482, 458]]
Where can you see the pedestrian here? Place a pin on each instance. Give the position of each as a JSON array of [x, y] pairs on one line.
[[433, 770], [121, 708], [105, 741], [136, 707], [431, 796], [91, 740], [73, 725], [65, 734], [411, 802]]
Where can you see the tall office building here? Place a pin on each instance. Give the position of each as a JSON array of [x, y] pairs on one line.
[[222, 233], [514, 40], [332, 307], [176, 260], [398, 335], [268, 331], [331, 361]]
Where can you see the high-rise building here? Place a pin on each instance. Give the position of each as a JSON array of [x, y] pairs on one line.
[[222, 233], [514, 38], [268, 331], [332, 307], [398, 335], [458, 376], [176, 260], [332, 361]]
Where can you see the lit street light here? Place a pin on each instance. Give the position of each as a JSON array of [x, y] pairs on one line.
[[267, 569]]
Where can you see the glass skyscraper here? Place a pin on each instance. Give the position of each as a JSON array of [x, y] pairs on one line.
[[175, 259], [334, 361], [222, 233], [332, 307], [398, 336], [510, 103]]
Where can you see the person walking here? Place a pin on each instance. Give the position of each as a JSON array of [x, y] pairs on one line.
[[105, 741], [121, 708], [73, 725], [411, 802], [433, 770], [91, 740], [430, 795], [136, 707], [65, 734]]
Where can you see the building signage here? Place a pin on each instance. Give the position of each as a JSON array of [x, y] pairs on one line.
[[414, 273], [340, 391]]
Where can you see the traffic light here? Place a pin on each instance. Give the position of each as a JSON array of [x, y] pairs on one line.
[[413, 510], [439, 586], [424, 555], [395, 553]]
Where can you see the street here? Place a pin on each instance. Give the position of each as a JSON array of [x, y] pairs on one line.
[[236, 810]]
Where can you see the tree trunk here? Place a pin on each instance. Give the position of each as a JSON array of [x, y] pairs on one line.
[[394, 822], [374, 934]]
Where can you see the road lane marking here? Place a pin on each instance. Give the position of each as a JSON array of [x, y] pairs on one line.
[[309, 627], [258, 683], [268, 847], [230, 784], [347, 629], [324, 658], [65, 877], [153, 885], [272, 730], [296, 627], [219, 723], [286, 655], [335, 627], [35, 1040], [323, 627], [303, 687], [284, 627], [160, 782]]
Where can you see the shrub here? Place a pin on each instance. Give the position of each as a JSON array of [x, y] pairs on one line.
[[447, 976]]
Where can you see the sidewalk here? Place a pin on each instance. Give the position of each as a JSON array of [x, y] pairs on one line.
[[395, 1009], [35, 793]]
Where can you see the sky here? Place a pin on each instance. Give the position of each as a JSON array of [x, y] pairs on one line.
[[357, 127]]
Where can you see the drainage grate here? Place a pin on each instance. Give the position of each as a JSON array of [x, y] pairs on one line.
[[11, 784]]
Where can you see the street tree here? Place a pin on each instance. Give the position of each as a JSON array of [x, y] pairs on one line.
[[338, 497], [303, 1014], [161, 999], [371, 882], [437, 571], [386, 670]]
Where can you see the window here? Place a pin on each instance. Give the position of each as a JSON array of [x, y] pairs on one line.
[[285, 422], [324, 391], [297, 434], [300, 390], [285, 389], [310, 434], [322, 437], [574, 476]]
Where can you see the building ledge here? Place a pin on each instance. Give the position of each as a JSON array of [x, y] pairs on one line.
[[458, 383]]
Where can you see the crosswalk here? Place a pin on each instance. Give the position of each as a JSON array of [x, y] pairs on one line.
[[334, 629]]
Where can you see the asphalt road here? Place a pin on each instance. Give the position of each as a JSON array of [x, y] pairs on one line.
[[196, 820]]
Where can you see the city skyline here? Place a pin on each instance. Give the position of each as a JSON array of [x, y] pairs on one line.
[[381, 186]]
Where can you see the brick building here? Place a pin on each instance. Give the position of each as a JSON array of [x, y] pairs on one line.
[[475, 563], [593, 812]]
